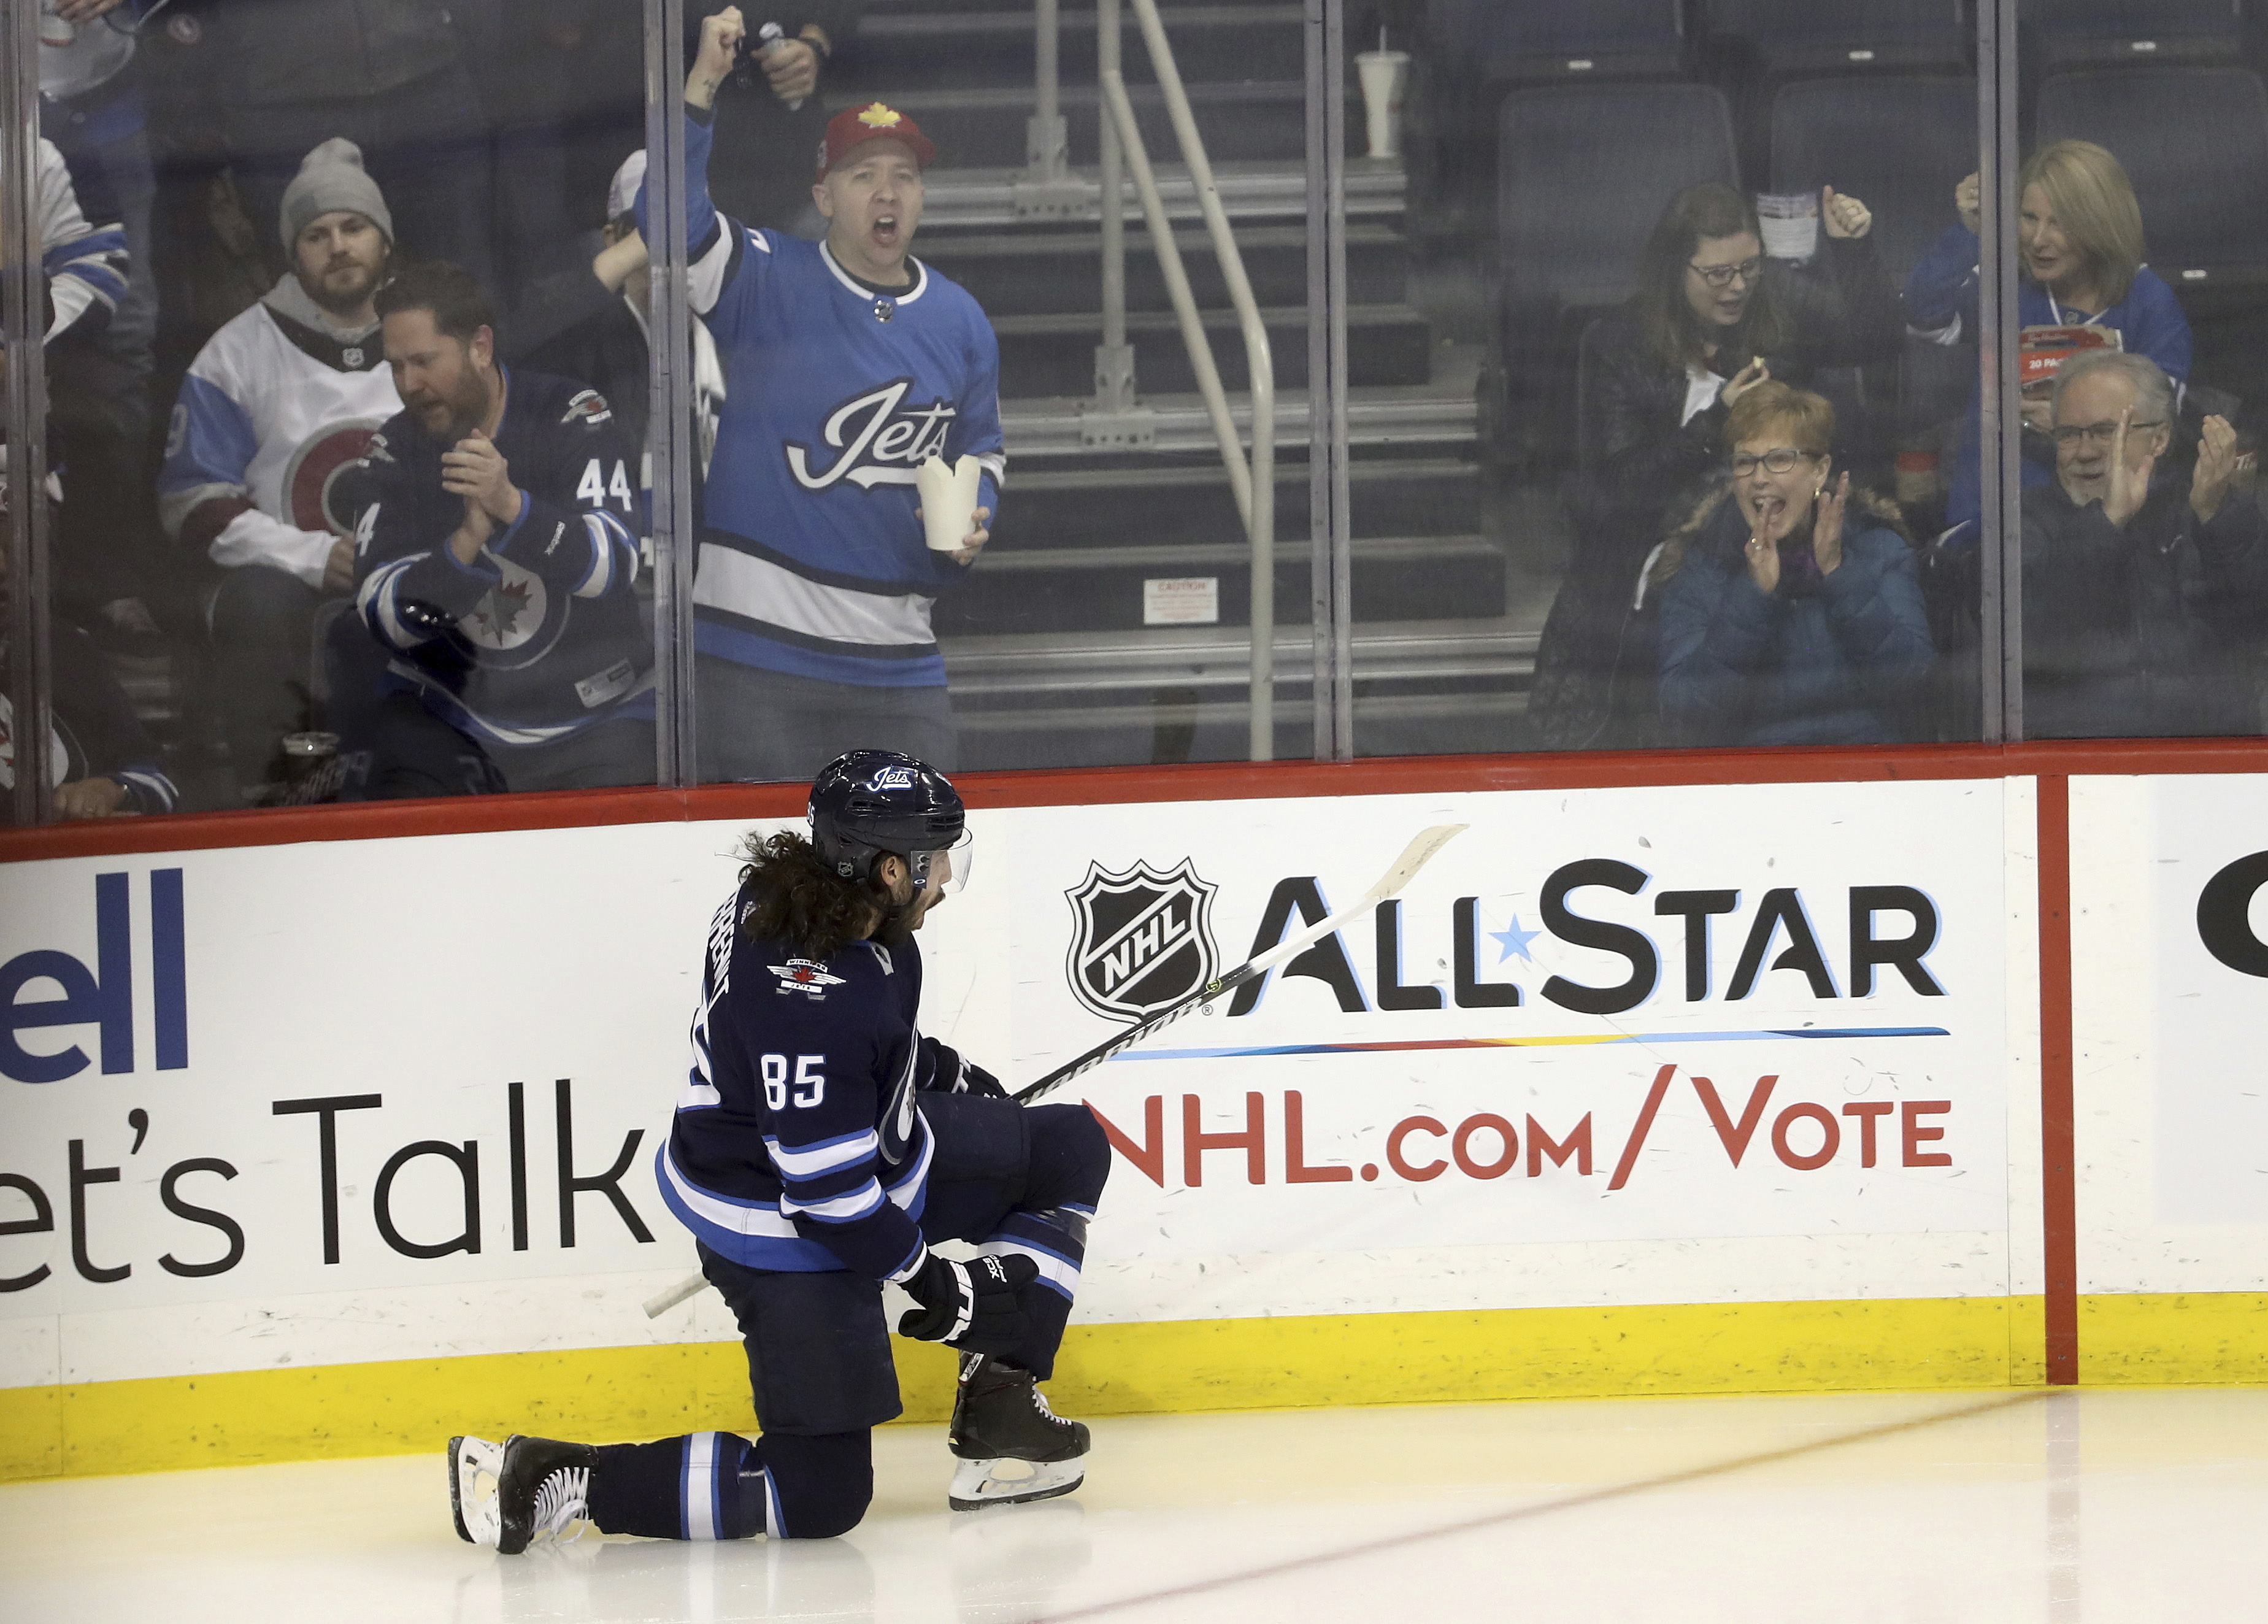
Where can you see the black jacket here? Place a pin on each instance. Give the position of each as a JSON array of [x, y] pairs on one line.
[[571, 326], [762, 169], [2139, 632], [1637, 460]]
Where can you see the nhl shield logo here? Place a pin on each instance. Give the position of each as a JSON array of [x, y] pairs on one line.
[[1141, 939]]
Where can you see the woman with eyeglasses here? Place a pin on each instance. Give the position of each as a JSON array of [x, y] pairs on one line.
[[1791, 609], [1710, 319], [2079, 233]]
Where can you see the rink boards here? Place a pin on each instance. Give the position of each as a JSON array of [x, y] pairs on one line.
[[334, 1147]]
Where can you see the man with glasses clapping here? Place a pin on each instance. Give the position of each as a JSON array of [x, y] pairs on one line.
[[2139, 597]]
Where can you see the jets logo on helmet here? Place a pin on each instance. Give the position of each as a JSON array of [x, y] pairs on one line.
[[872, 802]]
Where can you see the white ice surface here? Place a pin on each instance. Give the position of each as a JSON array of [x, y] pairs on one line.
[[2131, 1506]]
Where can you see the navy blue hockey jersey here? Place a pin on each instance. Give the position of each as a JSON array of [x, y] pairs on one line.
[[542, 634], [811, 562], [797, 1145]]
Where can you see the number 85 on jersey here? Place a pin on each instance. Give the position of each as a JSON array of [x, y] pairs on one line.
[[807, 1087]]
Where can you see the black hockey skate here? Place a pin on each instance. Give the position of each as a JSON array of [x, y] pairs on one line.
[[1001, 1422], [534, 1488]]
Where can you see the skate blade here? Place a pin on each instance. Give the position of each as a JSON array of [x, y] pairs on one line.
[[1006, 1482], [478, 1515]]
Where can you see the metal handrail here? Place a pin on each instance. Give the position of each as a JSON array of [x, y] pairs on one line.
[[1253, 483]]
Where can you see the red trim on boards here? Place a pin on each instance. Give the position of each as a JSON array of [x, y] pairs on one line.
[[2059, 1217], [1103, 786]]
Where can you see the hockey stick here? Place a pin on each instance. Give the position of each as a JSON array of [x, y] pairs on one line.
[[662, 1302], [1415, 856]]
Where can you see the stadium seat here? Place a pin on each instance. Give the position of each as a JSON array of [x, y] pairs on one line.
[[1584, 171], [2194, 143], [2090, 33], [1807, 36], [1900, 144], [1598, 39]]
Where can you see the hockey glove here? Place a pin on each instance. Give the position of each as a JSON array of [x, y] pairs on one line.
[[971, 1306], [976, 1080], [943, 1070]]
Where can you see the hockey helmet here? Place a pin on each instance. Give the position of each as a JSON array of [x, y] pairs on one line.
[[866, 802]]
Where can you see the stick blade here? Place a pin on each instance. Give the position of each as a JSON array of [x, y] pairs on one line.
[[1416, 855]]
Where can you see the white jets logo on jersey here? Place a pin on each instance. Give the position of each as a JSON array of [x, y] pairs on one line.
[[803, 975], [880, 445], [509, 615]]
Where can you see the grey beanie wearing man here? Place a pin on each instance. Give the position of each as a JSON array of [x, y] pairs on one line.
[[331, 178]]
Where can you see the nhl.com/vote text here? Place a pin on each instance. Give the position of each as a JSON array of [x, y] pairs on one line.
[[1765, 1126]]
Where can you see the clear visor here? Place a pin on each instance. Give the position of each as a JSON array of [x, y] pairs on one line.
[[944, 872]]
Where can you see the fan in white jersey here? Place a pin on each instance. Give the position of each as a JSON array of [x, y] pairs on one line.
[[273, 418]]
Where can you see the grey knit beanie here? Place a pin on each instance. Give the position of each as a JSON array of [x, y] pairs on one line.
[[331, 178]]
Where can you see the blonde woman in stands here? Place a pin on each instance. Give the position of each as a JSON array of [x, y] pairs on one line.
[[2079, 230]]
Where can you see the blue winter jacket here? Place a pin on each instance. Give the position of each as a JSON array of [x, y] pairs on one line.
[[1941, 299], [1831, 660]]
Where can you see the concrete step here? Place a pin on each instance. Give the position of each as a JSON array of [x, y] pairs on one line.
[[1099, 588], [1238, 120], [1178, 694], [1055, 354], [1192, 502], [962, 198], [1059, 270], [995, 45], [1436, 419]]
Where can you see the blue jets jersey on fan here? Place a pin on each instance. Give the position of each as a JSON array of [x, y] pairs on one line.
[[797, 1145], [813, 563]]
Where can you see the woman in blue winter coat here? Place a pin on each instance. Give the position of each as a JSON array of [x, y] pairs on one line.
[[1787, 617], [2079, 230]]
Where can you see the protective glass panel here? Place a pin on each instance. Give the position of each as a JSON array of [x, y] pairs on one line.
[[955, 291], [2140, 217], [1635, 215], [349, 397]]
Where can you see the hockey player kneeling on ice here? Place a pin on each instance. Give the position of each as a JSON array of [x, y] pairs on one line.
[[496, 565], [822, 1144]]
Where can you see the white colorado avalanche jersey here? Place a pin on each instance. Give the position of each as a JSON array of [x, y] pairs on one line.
[[273, 411], [813, 563]]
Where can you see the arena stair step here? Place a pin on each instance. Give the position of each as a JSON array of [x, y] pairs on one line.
[[1101, 587], [1058, 270], [997, 45], [1054, 354]]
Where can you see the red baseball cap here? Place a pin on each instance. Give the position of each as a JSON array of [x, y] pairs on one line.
[[854, 126]]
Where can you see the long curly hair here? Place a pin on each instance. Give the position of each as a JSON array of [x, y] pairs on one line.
[[796, 899]]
